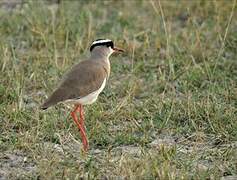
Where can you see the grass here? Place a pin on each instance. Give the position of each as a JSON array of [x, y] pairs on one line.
[[169, 110]]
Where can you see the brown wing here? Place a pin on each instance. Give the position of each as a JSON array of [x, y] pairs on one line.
[[84, 78]]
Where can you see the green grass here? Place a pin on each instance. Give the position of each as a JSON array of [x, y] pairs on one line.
[[176, 82]]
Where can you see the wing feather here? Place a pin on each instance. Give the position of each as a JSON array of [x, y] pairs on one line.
[[84, 78]]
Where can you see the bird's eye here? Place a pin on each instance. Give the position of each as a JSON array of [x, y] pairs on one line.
[[109, 45]]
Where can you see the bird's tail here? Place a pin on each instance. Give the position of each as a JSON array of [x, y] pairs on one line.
[[55, 98], [46, 104]]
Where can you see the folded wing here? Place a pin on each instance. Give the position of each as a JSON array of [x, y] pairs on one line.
[[84, 78]]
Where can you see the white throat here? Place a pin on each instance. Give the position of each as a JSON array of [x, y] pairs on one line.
[[110, 52]]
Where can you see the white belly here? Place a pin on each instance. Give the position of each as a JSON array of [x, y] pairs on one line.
[[90, 98]]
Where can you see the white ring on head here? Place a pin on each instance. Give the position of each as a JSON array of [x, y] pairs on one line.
[[101, 41]]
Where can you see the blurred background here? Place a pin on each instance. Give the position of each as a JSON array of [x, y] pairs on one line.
[[169, 110]]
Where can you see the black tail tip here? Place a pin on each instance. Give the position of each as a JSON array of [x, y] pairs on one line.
[[43, 108]]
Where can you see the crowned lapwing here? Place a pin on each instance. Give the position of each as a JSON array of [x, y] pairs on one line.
[[84, 82]]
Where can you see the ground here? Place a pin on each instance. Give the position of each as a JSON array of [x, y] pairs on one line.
[[169, 109]]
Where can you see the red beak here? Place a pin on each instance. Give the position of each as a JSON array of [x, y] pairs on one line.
[[118, 50]]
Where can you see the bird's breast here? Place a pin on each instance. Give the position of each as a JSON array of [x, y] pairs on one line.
[[90, 98]]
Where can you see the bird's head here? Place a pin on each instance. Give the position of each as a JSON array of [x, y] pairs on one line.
[[106, 46]]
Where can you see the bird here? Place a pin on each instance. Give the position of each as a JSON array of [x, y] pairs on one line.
[[84, 82]]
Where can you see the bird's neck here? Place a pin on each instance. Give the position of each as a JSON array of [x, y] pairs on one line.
[[103, 58], [100, 54]]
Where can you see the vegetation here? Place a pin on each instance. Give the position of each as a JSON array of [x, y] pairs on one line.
[[169, 110]]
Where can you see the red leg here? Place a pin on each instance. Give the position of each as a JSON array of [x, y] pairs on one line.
[[81, 128], [82, 118], [82, 121], [79, 108]]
